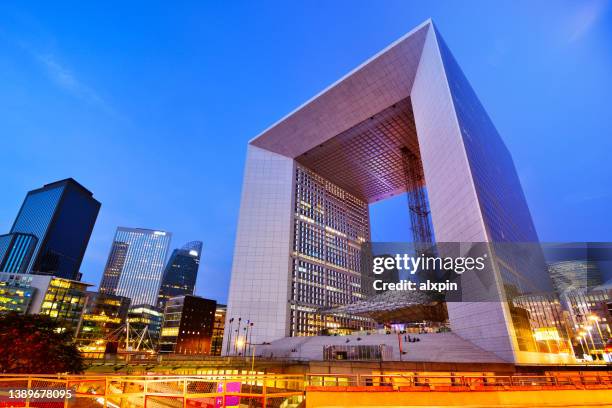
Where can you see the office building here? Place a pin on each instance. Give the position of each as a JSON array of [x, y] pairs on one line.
[[180, 273], [103, 317], [330, 226], [188, 325], [218, 329], [408, 122], [135, 264], [61, 215], [144, 322], [15, 296], [580, 273], [589, 319], [16, 251], [61, 299]]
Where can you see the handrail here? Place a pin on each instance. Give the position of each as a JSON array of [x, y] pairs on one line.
[[300, 381], [114, 390], [433, 380]]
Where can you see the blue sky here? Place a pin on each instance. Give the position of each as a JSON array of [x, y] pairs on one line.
[[150, 105]]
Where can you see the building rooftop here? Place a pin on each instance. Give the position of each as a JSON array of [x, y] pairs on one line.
[[69, 180], [354, 131]]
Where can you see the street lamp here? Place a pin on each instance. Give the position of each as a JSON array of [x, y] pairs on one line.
[[229, 340], [240, 343], [237, 336]]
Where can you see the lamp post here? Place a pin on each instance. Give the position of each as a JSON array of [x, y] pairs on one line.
[[250, 338], [239, 343], [399, 343], [236, 348], [246, 336], [229, 340]]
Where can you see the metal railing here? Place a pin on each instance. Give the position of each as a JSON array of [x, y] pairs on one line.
[[424, 382], [161, 359], [153, 391], [256, 390]]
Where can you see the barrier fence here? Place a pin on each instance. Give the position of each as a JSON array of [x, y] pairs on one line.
[[427, 382], [286, 391], [152, 391]]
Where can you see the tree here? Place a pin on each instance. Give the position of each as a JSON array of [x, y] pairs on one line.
[[35, 344]]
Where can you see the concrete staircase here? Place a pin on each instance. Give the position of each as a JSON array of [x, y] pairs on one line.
[[432, 347]]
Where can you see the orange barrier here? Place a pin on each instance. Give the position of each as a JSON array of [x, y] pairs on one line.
[[114, 391], [153, 391], [414, 382]]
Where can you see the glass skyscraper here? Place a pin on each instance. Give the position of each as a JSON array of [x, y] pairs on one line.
[[16, 251], [135, 264], [181, 272], [61, 215]]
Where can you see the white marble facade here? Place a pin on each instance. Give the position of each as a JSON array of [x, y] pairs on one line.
[[411, 67]]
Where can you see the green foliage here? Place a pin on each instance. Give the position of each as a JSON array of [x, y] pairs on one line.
[[34, 344]]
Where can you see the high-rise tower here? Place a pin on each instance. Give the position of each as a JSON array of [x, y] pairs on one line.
[[135, 264], [16, 251], [61, 216], [180, 273]]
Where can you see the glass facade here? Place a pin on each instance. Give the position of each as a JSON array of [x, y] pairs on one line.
[[64, 301], [135, 264], [61, 299], [218, 330], [61, 215], [506, 218], [578, 276], [16, 251], [180, 273], [15, 297], [102, 318], [590, 316], [5, 243], [543, 320], [114, 266], [22, 293], [144, 318], [330, 226]]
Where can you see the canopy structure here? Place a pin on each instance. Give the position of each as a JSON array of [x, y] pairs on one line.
[[396, 307]]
